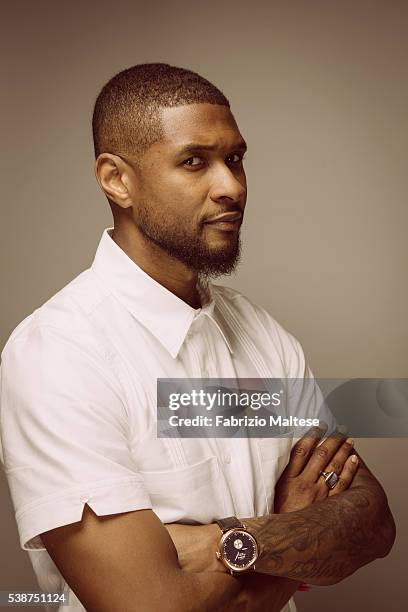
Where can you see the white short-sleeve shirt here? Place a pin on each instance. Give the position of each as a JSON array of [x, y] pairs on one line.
[[79, 414]]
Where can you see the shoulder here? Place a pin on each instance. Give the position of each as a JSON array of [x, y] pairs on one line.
[[56, 360], [261, 325], [253, 314], [66, 315]]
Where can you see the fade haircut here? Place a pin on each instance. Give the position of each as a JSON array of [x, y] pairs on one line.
[[127, 119]]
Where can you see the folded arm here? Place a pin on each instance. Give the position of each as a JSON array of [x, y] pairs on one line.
[[127, 562], [315, 535], [329, 540]]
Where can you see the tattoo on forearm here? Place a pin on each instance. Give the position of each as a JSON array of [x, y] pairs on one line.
[[329, 540]]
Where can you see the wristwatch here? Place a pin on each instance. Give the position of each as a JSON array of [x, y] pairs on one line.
[[238, 549]]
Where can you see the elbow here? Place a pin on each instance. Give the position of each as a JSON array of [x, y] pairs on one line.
[[387, 533], [384, 529], [382, 544]]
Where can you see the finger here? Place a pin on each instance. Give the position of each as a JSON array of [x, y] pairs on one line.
[[346, 476], [335, 465], [340, 457], [302, 450], [322, 455]]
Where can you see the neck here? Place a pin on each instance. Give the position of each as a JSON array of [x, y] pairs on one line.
[[166, 270]]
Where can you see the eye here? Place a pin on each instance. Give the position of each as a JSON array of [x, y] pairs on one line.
[[190, 159], [240, 156]]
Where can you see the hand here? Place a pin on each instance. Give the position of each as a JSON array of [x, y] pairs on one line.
[[196, 546], [301, 483]]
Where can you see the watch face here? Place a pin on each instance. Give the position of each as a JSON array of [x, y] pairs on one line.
[[239, 549]]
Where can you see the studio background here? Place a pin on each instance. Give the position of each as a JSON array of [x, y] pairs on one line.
[[319, 91]]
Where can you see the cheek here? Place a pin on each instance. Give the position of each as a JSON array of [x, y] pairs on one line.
[[191, 185], [177, 199]]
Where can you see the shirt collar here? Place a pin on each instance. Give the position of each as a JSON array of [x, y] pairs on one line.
[[164, 314]]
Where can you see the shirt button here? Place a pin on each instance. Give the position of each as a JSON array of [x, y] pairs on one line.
[[227, 458], [84, 499]]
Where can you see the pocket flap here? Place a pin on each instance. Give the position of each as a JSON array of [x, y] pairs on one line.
[[181, 479], [273, 448]]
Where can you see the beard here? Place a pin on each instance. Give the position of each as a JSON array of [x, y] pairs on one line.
[[189, 247]]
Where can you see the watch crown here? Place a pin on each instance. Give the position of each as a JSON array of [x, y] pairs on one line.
[[218, 555]]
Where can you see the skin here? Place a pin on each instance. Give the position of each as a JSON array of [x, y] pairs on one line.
[[168, 197], [182, 559], [131, 561], [314, 536]]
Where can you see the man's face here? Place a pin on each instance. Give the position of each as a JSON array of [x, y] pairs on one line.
[[192, 176]]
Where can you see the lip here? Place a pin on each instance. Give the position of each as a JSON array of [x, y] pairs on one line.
[[226, 217], [226, 226]]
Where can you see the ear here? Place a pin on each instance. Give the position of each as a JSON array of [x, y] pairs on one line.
[[117, 179]]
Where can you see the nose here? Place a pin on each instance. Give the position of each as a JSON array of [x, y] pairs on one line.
[[229, 187]]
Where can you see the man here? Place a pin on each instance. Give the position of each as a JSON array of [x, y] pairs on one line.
[[92, 484]]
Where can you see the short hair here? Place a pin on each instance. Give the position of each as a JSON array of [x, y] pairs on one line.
[[126, 118]]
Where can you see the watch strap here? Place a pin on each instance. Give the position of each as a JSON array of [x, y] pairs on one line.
[[231, 522]]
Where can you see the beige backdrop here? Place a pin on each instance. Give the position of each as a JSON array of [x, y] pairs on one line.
[[319, 90]]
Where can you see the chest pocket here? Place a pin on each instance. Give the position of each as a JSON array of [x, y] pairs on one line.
[[273, 454], [191, 494]]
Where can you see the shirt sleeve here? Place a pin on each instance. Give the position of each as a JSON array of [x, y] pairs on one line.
[[64, 433]]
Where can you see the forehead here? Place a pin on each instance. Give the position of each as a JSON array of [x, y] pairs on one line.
[[208, 124]]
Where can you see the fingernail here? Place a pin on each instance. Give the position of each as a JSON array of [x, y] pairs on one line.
[[354, 458], [350, 441]]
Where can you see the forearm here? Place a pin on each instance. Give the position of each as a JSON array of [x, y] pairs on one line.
[[262, 592], [210, 591], [249, 592], [206, 592], [325, 542], [255, 593]]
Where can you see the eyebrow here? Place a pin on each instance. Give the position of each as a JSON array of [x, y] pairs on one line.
[[191, 147]]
